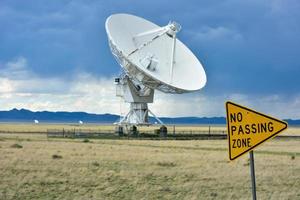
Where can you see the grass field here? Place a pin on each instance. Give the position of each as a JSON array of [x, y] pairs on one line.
[[33, 166], [29, 127]]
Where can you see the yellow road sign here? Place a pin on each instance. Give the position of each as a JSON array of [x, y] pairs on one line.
[[247, 129]]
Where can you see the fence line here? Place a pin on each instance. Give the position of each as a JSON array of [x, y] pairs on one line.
[[88, 133]]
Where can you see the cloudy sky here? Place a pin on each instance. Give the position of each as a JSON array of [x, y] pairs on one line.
[[54, 55]]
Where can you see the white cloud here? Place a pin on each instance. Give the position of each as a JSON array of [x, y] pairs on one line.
[[220, 33], [195, 104], [199, 104], [21, 88], [6, 86], [88, 93], [15, 76], [15, 69]]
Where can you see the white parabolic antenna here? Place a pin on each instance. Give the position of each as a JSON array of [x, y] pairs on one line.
[[152, 58]]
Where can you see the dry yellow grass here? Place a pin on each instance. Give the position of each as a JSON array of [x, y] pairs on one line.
[[42, 127], [29, 127], [137, 169]]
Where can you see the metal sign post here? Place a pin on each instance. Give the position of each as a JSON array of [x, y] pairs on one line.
[[247, 129], [252, 171]]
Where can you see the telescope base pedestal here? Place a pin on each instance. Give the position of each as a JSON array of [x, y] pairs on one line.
[[138, 115]]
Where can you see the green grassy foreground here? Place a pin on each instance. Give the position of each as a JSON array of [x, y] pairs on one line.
[[34, 167]]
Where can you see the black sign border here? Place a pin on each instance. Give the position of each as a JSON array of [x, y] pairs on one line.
[[228, 130]]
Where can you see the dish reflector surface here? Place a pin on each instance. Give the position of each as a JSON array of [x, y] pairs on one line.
[[145, 51]]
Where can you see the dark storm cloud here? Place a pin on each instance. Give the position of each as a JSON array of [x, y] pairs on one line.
[[246, 46]]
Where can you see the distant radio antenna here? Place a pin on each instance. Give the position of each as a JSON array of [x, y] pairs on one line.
[[152, 58]]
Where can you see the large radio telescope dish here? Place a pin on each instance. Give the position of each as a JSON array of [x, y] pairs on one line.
[[152, 58]]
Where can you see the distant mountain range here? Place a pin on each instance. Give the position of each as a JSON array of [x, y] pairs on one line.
[[23, 115]]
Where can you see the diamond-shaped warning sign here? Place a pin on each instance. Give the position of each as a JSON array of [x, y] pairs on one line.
[[247, 129]]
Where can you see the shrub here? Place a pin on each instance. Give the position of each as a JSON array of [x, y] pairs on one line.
[[96, 164], [293, 157], [166, 164], [55, 156], [86, 140], [17, 146]]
